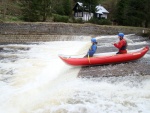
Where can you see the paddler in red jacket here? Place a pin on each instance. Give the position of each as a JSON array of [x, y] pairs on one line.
[[121, 45]]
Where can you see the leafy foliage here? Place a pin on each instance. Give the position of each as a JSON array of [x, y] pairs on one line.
[[62, 7], [67, 7], [100, 21], [60, 18], [34, 10], [133, 12], [122, 12]]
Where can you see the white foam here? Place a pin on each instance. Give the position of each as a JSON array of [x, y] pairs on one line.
[[35, 77], [43, 83]]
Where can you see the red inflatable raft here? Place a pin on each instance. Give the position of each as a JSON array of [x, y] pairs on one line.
[[105, 58]]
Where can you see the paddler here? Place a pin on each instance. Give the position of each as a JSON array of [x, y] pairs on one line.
[[121, 45], [93, 48]]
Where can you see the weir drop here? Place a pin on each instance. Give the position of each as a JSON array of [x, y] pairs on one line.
[[33, 79]]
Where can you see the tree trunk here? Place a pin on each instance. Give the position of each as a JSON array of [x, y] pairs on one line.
[[44, 17], [4, 2], [146, 24]]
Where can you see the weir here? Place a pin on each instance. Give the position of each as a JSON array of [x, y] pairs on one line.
[[34, 80], [37, 32]]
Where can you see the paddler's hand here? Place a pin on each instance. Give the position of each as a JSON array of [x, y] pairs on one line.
[[112, 43]]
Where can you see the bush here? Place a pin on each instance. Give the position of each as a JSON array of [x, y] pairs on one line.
[[101, 21], [94, 20], [60, 18], [77, 20], [104, 22]]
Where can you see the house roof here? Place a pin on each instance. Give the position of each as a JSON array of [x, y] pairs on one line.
[[80, 4], [101, 10]]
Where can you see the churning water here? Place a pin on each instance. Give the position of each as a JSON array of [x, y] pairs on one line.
[[34, 80]]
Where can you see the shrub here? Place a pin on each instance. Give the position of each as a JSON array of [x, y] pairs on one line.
[[93, 20], [77, 20], [60, 18], [104, 22], [101, 21]]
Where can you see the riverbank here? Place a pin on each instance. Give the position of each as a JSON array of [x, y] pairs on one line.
[[37, 32]]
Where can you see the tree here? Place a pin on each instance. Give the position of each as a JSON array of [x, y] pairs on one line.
[[4, 8], [45, 9], [147, 12], [58, 7], [121, 11], [67, 7], [91, 4], [110, 5], [36, 10], [133, 12], [136, 13]]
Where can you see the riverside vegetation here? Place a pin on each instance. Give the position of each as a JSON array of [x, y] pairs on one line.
[[121, 12]]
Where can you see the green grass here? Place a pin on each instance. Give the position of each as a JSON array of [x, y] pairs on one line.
[[10, 18]]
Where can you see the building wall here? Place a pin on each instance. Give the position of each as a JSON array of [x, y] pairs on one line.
[[104, 16], [85, 15]]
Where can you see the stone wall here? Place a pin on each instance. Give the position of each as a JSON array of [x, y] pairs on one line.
[[29, 32], [37, 38]]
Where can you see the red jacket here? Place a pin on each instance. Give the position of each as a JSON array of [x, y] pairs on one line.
[[121, 45]]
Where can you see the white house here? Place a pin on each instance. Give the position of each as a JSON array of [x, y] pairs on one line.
[[81, 11], [101, 12]]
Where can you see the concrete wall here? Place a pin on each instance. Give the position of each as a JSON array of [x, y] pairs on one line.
[[29, 32]]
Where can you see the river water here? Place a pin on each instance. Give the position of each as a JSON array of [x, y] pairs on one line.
[[34, 80]]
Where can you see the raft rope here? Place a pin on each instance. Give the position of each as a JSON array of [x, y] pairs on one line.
[[89, 59]]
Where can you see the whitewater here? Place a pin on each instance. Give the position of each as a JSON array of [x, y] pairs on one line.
[[33, 79]]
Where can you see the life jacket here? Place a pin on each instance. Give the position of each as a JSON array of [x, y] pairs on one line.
[[92, 50], [124, 47], [121, 45]]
